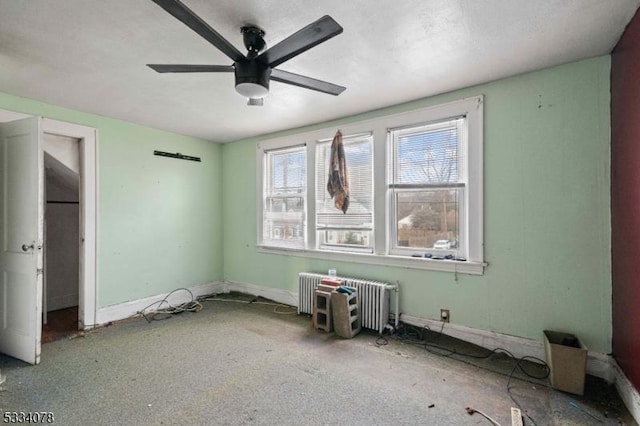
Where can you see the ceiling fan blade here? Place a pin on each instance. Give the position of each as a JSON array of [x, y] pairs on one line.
[[193, 21], [191, 68], [306, 82], [311, 35]]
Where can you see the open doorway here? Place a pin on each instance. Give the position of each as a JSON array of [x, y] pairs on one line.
[[61, 237], [22, 315], [86, 140]]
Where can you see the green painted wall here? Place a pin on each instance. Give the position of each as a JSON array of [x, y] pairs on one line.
[[547, 220], [159, 219]]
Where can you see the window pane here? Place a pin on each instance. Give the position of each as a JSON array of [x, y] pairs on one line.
[[428, 154], [284, 197], [428, 185], [429, 220], [345, 239], [352, 229]]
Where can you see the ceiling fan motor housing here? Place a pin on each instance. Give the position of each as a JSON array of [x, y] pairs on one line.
[[252, 78]]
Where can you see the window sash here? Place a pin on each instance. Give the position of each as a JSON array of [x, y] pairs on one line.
[[284, 197], [436, 151], [428, 159], [352, 231], [456, 235]]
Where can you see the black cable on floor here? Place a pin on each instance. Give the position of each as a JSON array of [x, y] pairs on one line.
[[412, 335], [278, 307], [161, 313]]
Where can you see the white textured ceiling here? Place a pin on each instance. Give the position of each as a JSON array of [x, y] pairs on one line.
[[90, 55]]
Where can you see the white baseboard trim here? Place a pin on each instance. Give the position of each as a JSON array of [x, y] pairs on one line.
[[128, 309], [125, 310], [627, 391], [598, 364], [275, 294]]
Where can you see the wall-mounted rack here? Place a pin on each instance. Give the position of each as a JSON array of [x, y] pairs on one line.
[[176, 155]]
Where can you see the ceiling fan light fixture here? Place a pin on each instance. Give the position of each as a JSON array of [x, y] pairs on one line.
[[252, 78], [252, 90]]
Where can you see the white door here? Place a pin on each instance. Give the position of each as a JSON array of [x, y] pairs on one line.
[[21, 235]]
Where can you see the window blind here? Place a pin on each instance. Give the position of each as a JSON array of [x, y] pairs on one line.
[[428, 154], [352, 230]]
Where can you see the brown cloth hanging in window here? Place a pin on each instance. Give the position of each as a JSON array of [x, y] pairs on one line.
[[338, 185]]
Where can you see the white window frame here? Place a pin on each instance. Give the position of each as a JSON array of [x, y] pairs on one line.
[[281, 236], [393, 190], [471, 108], [328, 246]]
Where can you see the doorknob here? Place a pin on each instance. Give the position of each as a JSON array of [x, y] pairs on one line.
[[27, 248]]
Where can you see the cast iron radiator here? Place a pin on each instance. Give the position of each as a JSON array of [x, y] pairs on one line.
[[374, 297]]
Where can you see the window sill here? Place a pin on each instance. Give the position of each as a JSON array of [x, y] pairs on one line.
[[461, 267]]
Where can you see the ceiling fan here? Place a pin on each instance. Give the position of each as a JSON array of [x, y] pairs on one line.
[[255, 70]]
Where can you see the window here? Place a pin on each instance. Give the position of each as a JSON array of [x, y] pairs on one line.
[[284, 197], [353, 230], [415, 191], [427, 183]]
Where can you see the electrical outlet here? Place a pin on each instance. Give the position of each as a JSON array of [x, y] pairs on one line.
[[444, 315]]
